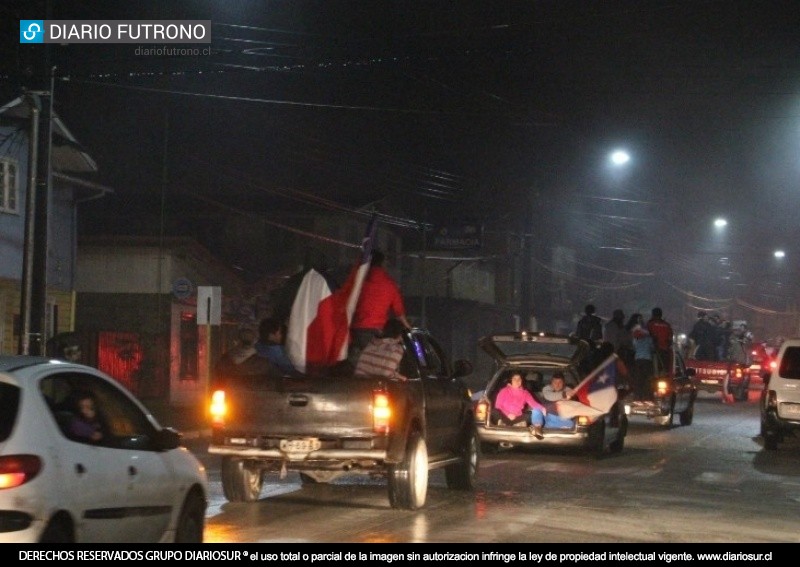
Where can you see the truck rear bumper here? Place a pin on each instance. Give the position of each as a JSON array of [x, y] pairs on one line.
[[523, 436], [319, 455], [648, 409]]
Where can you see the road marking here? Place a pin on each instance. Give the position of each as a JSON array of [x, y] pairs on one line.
[[730, 479]]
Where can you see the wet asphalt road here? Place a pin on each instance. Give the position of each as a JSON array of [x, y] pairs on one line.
[[707, 482]]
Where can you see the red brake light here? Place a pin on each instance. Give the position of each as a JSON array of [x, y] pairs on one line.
[[16, 470], [381, 412]]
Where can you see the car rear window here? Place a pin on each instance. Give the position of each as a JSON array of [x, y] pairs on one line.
[[9, 406], [790, 363], [535, 345]]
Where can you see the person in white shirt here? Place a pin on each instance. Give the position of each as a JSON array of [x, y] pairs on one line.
[[557, 388]]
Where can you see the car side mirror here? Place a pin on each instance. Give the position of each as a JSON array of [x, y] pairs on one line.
[[462, 368], [167, 439]]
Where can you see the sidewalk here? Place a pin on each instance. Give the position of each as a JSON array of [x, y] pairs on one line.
[[190, 420]]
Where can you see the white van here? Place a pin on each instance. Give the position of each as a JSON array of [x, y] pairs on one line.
[[780, 399]]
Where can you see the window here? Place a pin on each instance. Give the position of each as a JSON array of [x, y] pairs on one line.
[[9, 190], [124, 426], [790, 363]]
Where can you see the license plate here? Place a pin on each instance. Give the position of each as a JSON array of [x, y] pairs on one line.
[[709, 381], [305, 445], [791, 409]]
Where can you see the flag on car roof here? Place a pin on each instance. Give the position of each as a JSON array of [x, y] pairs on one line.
[[318, 334], [595, 394]]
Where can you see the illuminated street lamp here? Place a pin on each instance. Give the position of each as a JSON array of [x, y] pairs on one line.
[[620, 157], [779, 254], [720, 223]]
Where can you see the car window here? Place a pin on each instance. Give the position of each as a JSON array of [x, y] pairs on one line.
[[407, 366], [434, 358], [9, 406], [122, 424], [790, 363], [516, 344]]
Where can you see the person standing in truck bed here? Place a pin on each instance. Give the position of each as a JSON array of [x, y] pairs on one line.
[[661, 331], [380, 298]]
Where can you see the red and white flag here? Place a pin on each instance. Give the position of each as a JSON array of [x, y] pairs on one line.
[[318, 333], [595, 394]]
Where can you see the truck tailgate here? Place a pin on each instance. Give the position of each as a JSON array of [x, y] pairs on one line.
[[282, 406]]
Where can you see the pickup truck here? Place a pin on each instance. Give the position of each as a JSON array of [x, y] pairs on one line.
[[672, 392], [326, 426], [731, 376]]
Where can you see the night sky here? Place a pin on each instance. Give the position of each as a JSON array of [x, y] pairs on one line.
[[503, 112]]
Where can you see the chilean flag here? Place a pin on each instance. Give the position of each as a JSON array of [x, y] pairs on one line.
[[318, 332], [595, 394]]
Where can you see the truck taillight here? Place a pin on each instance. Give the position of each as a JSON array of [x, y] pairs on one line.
[[482, 411], [662, 387], [218, 408], [738, 372], [773, 364], [381, 412]]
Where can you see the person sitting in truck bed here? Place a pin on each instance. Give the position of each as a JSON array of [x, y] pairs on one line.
[[383, 354]]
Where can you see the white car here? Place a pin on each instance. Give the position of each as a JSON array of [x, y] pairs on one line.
[[780, 398], [135, 484]]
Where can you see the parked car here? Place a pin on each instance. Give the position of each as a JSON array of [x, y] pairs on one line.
[[538, 356], [673, 392], [119, 478], [780, 398]]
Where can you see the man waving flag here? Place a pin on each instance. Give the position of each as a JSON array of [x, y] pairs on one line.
[[319, 323], [595, 394]]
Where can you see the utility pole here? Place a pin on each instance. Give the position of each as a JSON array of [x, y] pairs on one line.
[[30, 207], [34, 268], [526, 245], [33, 303], [40, 229]]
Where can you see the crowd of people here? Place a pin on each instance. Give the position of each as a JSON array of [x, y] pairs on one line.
[[640, 345], [644, 346], [713, 338]]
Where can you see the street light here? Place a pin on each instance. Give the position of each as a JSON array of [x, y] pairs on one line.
[[779, 254], [720, 223], [620, 157]]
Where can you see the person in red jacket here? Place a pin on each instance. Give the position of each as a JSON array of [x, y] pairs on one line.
[[380, 298], [661, 331]]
